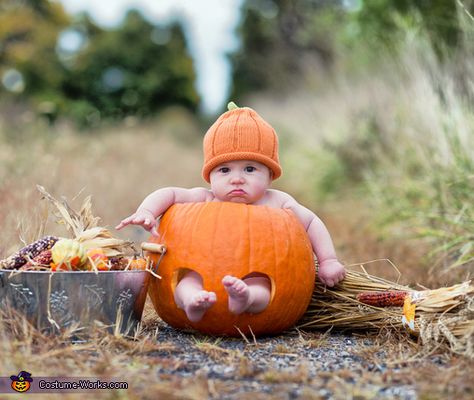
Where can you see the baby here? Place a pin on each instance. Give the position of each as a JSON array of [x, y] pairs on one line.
[[240, 163]]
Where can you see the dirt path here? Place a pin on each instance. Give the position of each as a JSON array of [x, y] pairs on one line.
[[302, 365]]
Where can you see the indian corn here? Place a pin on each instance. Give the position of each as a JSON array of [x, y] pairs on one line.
[[27, 253], [387, 298]]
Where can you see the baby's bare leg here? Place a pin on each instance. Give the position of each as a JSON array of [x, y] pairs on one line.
[[190, 296], [248, 295]]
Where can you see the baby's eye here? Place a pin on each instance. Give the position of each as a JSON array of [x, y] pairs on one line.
[[249, 168], [224, 170]]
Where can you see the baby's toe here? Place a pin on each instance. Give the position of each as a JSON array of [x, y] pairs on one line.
[[212, 297], [200, 298]]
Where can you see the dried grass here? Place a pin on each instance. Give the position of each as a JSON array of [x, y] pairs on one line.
[[442, 316]]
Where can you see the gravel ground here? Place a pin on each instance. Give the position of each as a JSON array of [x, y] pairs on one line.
[[294, 365]]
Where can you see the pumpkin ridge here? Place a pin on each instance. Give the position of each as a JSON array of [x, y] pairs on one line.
[[249, 245], [275, 261], [290, 276], [272, 274], [162, 235], [280, 269], [190, 221], [217, 218], [194, 219], [214, 237]]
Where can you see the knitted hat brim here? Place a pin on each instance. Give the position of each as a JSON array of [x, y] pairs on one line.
[[243, 155]]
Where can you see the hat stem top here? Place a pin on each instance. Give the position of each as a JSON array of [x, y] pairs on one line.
[[232, 106]]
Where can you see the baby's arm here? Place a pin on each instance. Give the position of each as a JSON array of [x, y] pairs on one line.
[[330, 271], [159, 201]]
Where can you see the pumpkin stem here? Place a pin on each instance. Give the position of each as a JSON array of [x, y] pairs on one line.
[[232, 106]]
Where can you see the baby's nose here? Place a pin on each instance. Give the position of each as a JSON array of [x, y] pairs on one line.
[[237, 178]]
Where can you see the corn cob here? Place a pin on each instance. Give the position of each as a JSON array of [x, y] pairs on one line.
[[387, 298], [21, 257], [43, 259]]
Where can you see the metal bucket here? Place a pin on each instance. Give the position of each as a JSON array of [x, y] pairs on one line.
[[57, 301]]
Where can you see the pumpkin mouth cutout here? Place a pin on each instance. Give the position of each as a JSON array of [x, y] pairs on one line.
[[262, 275], [177, 276], [179, 273]]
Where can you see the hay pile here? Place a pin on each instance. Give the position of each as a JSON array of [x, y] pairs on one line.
[[441, 316]]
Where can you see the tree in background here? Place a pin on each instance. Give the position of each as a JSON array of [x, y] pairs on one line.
[[278, 38], [73, 68], [282, 39], [379, 20], [28, 32], [135, 69]]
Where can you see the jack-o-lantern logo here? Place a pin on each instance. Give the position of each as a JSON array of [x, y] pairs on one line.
[[21, 382]]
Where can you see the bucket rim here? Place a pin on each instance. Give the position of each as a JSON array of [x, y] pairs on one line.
[[15, 272]]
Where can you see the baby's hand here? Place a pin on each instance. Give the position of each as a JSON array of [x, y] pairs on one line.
[[142, 217], [331, 272]]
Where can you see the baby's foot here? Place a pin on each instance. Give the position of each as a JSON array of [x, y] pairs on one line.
[[239, 294], [198, 305]]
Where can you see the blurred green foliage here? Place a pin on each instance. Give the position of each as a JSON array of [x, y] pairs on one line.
[[380, 20], [73, 68], [277, 37], [28, 32], [282, 39]]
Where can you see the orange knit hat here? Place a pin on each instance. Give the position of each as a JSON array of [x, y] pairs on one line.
[[240, 134]]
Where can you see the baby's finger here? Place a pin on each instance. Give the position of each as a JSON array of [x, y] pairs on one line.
[[151, 223], [154, 232], [128, 220], [138, 220], [122, 224], [324, 280]]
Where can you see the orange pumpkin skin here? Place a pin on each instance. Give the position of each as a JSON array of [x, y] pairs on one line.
[[221, 238]]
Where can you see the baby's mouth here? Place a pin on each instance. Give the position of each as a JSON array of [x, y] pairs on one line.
[[237, 192]]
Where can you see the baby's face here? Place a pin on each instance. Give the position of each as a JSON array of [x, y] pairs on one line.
[[240, 181]]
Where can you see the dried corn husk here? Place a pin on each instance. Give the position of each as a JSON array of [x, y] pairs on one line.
[[83, 226], [75, 222], [101, 238], [441, 315]]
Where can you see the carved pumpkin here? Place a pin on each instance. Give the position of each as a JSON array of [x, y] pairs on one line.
[[216, 239]]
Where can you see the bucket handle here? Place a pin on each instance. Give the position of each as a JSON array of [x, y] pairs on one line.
[[154, 248]]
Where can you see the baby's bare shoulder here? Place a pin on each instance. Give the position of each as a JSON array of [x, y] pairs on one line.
[[196, 194], [284, 200], [276, 198]]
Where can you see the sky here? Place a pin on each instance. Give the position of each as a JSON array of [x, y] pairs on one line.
[[210, 30]]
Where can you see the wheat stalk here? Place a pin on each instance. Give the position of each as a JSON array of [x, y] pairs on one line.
[[444, 315]]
